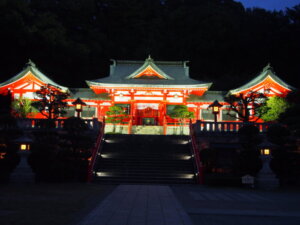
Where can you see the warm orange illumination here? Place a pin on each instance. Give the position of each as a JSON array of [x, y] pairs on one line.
[[215, 109], [24, 147], [149, 72], [265, 151], [78, 107], [2, 154]]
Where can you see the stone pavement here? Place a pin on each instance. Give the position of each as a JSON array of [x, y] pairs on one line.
[[230, 206], [138, 205], [194, 204]]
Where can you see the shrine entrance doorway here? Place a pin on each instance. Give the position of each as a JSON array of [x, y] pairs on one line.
[[147, 114], [148, 121]]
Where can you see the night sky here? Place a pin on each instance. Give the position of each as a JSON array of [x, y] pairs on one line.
[[270, 4]]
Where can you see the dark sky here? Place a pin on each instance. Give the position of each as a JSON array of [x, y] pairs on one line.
[[270, 4]]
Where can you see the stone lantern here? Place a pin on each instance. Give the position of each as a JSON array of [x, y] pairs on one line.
[[23, 172], [266, 179]]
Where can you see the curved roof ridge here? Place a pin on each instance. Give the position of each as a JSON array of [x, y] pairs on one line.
[[267, 71], [142, 62], [31, 67]]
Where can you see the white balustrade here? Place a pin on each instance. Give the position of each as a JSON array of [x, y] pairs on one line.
[[224, 127]]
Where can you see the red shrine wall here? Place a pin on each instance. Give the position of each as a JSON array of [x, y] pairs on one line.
[[144, 105]]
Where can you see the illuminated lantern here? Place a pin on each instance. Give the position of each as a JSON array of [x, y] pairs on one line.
[[2, 155], [78, 106], [215, 108], [266, 179], [265, 151], [266, 147], [24, 142]]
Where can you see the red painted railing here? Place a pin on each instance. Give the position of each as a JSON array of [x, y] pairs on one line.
[[196, 153], [129, 126], [95, 151], [165, 126]]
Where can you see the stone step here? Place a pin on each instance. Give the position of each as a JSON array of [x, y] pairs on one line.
[[146, 159], [141, 176], [124, 180]]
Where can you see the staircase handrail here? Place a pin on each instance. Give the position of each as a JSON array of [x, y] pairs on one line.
[[95, 151], [196, 154]]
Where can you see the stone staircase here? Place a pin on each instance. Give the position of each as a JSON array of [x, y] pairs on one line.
[[145, 159]]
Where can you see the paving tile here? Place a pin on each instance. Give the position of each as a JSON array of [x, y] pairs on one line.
[[139, 205]]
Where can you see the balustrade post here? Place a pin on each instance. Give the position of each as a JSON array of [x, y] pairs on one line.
[[222, 127], [129, 126], [165, 126], [33, 123]]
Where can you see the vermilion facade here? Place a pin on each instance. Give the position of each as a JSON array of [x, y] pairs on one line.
[[147, 90]]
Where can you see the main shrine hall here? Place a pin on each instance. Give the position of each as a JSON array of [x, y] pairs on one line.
[[147, 91]]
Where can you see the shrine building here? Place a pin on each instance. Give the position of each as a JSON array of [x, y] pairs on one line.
[[147, 90]]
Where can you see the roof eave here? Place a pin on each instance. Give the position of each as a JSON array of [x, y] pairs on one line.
[[107, 85], [32, 69]]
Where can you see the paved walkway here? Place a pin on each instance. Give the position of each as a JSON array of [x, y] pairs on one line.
[[233, 206], [139, 205], [195, 205]]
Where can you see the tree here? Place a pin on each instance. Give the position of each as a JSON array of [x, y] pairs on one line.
[[115, 115], [290, 117], [9, 131], [181, 113], [247, 106], [249, 138], [50, 101], [22, 108], [273, 108], [279, 135]]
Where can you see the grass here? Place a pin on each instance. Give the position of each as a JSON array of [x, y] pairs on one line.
[[48, 204]]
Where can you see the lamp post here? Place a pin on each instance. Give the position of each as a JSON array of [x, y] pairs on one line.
[[266, 179], [78, 106], [215, 108]]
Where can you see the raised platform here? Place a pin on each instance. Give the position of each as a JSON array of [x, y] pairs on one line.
[[147, 130]]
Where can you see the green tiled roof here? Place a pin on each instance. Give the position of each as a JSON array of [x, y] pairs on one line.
[[208, 96], [175, 72], [267, 71], [31, 67], [87, 94]]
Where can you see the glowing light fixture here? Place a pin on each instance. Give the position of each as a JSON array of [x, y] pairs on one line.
[[266, 148], [265, 151], [24, 142], [78, 106], [2, 155], [215, 108]]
